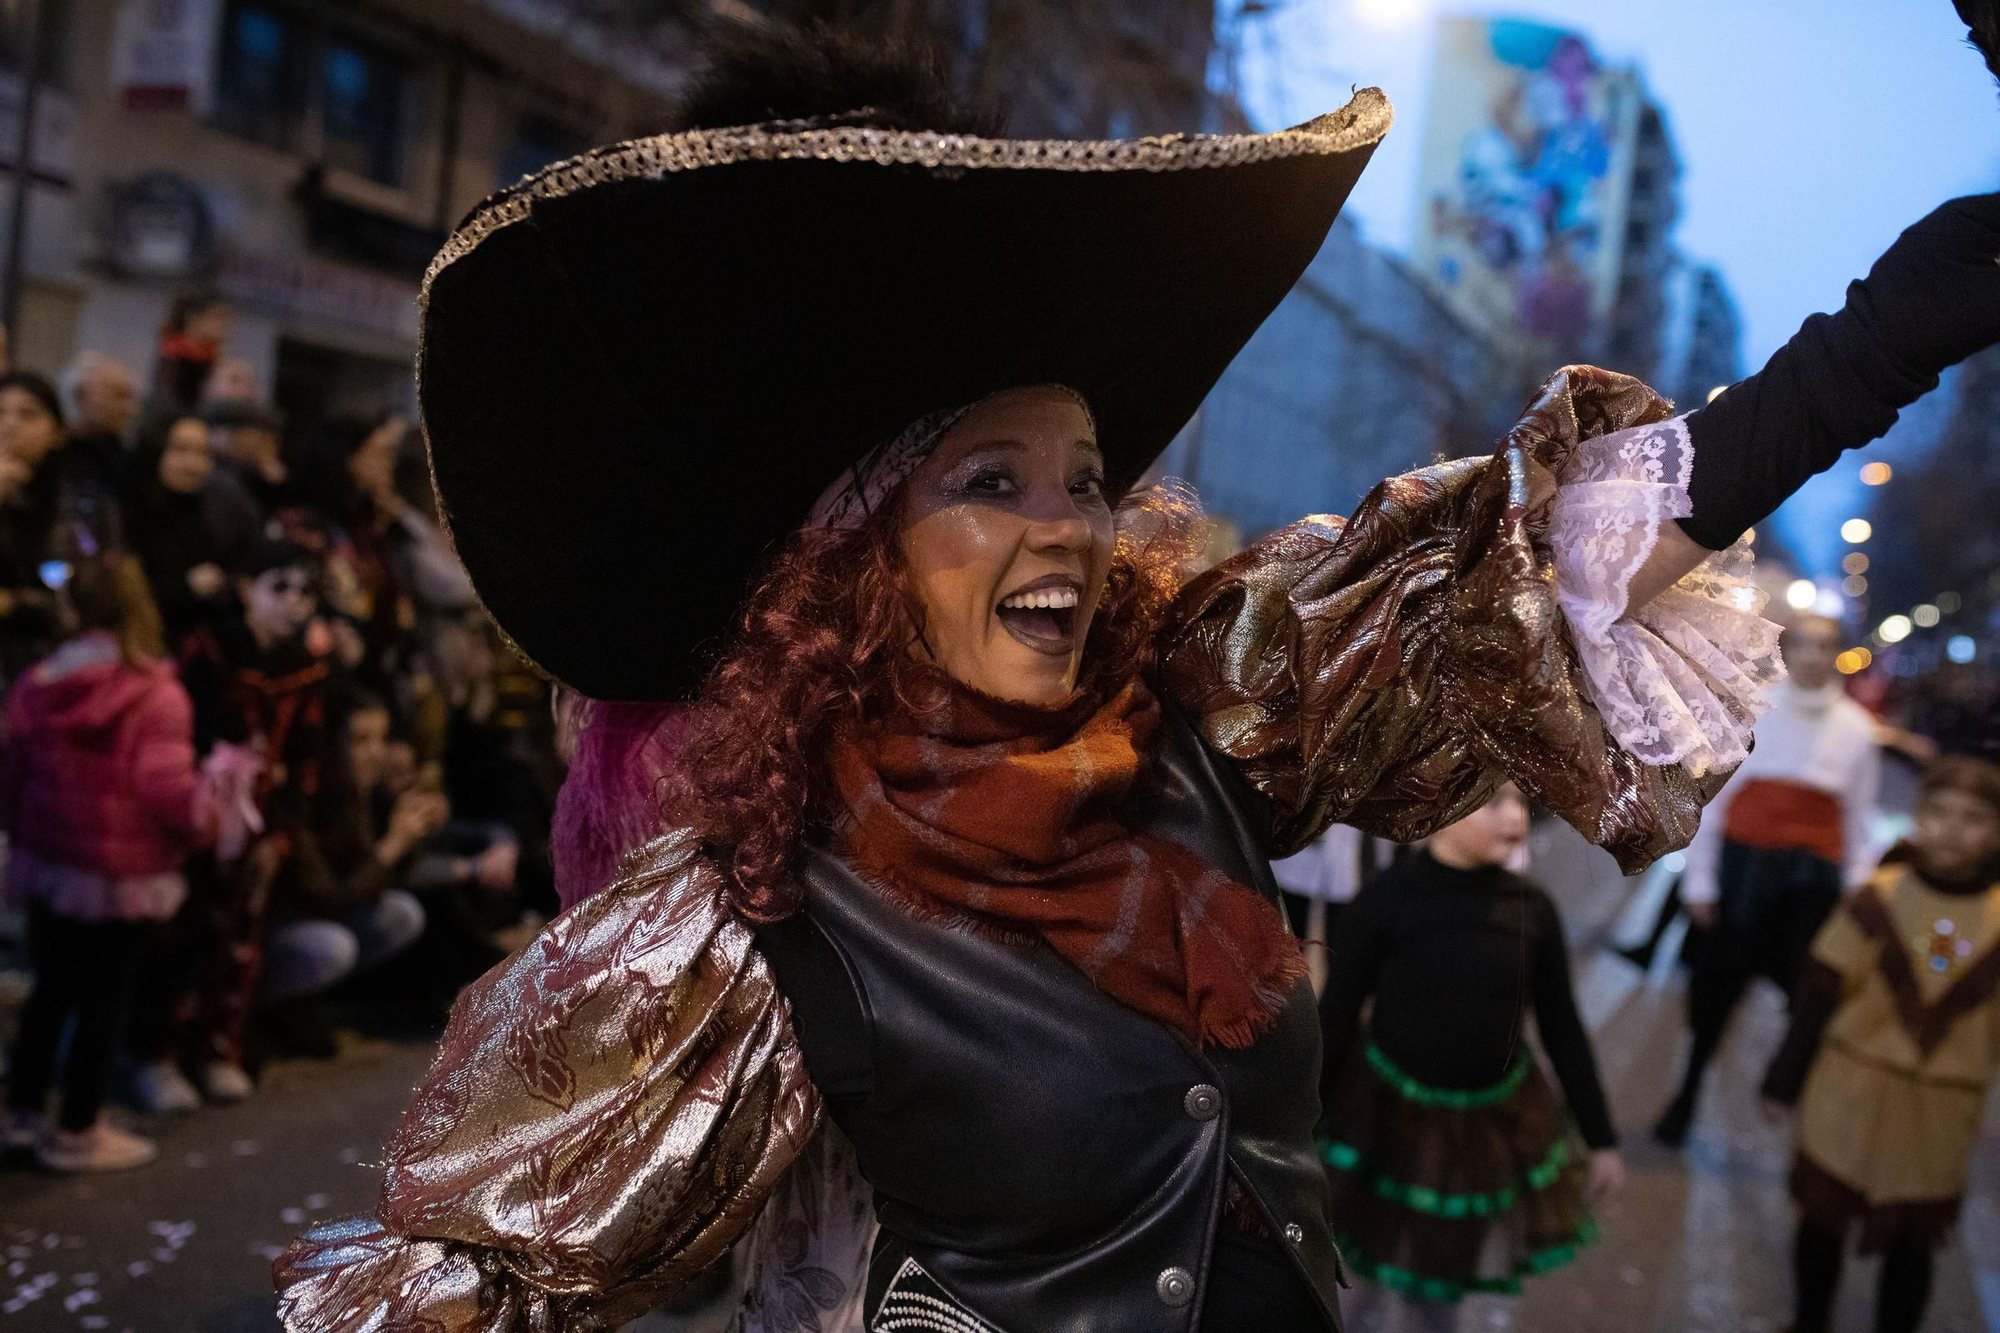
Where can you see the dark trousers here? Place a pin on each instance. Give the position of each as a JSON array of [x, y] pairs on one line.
[[83, 971], [199, 986], [1772, 904], [1902, 1292]]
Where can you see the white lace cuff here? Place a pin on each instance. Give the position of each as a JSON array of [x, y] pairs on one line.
[[1680, 680]]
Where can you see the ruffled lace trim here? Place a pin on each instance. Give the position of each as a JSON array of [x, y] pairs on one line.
[[1681, 679]]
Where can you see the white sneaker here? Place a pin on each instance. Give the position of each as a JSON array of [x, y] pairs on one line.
[[20, 1131], [224, 1082], [161, 1089], [102, 1147]]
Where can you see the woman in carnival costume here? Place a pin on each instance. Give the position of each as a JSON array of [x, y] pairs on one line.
[[958, 971]]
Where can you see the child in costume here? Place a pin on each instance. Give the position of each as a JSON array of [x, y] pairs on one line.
[[1895, 1037], [1454, 1166]]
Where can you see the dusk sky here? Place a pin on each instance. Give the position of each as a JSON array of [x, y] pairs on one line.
[[1810, 132]]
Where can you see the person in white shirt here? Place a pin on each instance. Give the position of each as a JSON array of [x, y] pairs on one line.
[[1778, 846]]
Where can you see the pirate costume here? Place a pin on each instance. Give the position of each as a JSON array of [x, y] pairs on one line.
[[644, 367]]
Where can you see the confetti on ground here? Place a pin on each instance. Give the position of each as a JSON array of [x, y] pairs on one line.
[[85, 1279], [265, 1250], [317, 1201], [139, 1268], [76, 1300], [93, 1321], [348, 1156], [292, 1216], [163, 1255]]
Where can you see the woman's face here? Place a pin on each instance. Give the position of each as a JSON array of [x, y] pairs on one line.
[[373, 465], [186, 461], [27, 431], [368, 747], [1007, 540]]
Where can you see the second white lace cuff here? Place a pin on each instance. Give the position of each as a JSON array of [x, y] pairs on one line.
[[1679, 680]]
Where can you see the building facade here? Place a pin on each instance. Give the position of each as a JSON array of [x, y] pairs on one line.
[[305, 160], [1362, 372]]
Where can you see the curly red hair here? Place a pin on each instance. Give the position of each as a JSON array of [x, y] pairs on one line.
[[826, 643]]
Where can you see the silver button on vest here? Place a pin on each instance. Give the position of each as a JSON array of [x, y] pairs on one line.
[[1175, 1286], [1203, 1101]]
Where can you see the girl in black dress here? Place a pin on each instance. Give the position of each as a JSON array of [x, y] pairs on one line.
[[1456, 1169]]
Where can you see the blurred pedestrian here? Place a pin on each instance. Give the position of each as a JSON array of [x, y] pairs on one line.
[[1776, 848], [101, 802], [101, 398], [191, 341], [259, 679], [338, 904], [33, 556], [400, 571], [249, 463], [1454, 1166], [1894, 1041], [184, 528]]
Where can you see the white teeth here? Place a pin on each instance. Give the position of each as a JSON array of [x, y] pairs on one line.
[[1055, 599]]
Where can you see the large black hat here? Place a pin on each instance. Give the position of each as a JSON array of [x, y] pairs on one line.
[[642, 366]]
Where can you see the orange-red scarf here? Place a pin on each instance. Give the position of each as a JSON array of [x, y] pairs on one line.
[[1006, 816]]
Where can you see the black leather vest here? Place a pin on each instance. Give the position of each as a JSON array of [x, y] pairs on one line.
[[1052, 1159]]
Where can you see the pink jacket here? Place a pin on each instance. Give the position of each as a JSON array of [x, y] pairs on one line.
[[100, 770]]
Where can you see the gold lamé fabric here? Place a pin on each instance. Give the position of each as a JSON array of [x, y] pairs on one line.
[[1390, 670], [608, 1111]]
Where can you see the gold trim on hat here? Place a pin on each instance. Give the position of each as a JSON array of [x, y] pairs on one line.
[[1363, 121]]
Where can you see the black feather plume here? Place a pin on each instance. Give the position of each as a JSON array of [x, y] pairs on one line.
[[1982, 21], [763, 72]]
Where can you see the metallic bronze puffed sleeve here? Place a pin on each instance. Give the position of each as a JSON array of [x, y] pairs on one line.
[[608, 1112], [1390, 670]]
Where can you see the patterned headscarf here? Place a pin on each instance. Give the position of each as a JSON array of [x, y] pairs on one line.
[[860, 490]]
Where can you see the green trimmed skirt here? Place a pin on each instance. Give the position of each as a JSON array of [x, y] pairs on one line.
[[1440, 1193]]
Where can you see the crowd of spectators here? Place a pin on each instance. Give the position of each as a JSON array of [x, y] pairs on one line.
[[267, 768]]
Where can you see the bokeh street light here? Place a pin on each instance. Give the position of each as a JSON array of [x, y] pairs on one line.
[[1854, 585], [1895, 629], [1853, 660], [1800, 594], [1855, 563], [1961, 649], [1924, 616], [1875, 474], [1856, 531]]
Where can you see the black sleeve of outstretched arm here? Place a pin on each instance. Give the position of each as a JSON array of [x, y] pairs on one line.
[[1930, 301], [1814, 1000], [1563, 1037]]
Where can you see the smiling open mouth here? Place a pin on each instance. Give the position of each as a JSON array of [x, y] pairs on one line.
[[1043, 620]]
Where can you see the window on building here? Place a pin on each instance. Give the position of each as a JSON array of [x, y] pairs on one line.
[[538, 141], [285, 79], [257, 82], [52, 40], [362, 110]]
